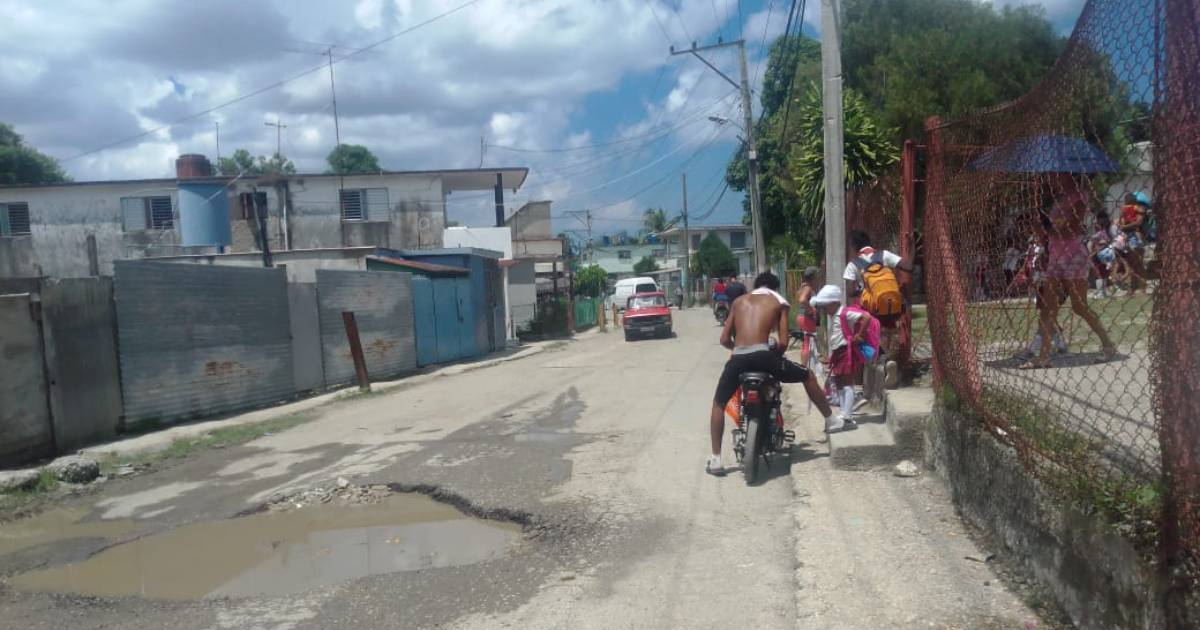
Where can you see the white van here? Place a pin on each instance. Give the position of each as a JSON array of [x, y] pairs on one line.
[[629, 286]]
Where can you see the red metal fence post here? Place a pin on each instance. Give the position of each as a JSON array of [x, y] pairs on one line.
[[1176, 360], [356, 352], [908, 210]]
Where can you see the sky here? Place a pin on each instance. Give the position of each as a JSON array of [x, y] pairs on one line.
[[583, 92]]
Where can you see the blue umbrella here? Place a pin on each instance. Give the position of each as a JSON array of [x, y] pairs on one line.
[[1045, 154]]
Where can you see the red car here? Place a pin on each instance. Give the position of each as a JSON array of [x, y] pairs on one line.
[[647, 315]]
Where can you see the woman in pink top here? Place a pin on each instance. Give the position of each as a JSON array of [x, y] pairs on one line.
[[1067, 267]]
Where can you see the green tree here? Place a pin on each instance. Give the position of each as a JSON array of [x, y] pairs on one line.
[[714, 258], [347, 159], [645, 265], [655, 221], [591, 281], [243, 163], [23, 164], [868, 151]]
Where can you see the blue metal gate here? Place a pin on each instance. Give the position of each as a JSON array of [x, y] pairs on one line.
[[448, 320], [424, 320]]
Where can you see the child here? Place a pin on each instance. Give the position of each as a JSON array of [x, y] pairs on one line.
[[845, 357]]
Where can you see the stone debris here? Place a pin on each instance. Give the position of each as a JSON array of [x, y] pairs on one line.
[[75, 469], [906, 469], [341, 491], [13, 480]]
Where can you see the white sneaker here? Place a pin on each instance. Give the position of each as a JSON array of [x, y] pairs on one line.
[[714, 466], [834, 424]]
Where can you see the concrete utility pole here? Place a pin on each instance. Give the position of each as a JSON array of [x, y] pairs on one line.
[[587, 221], [835, 178], [687, 250], [279, 127], [217, 124], [760, 250]]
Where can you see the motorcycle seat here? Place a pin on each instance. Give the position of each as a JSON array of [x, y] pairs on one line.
[[754, 379]]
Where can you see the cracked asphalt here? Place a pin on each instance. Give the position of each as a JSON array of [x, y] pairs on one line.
[[595, 448]]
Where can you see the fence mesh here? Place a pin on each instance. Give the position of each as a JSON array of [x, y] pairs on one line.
[[1060, 242]]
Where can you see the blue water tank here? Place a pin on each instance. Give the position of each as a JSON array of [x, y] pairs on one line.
[[204, 215]]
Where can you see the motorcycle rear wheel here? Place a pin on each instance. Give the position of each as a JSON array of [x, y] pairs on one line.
[[750, 454]]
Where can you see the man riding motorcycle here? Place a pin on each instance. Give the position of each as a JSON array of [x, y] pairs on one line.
[[747, 332]]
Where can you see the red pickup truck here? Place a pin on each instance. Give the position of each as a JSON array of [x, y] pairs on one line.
[[647, 315]]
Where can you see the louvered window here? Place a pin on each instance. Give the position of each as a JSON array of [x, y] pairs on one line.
[[14, 219]]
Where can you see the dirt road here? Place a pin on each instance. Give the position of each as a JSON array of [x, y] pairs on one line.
[[593, 454]]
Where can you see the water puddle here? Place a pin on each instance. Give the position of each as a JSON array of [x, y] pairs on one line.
[[276, 553], [55, 525]]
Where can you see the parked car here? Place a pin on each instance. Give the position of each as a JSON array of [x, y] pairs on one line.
[[647, 315], [629, 287]]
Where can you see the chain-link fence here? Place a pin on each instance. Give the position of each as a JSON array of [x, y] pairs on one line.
[[1060, 241]]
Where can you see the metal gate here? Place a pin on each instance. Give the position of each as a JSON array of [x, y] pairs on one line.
[[383, 307], [24, 407]]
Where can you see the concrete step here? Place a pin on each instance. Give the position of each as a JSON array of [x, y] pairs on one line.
[[887, 434]]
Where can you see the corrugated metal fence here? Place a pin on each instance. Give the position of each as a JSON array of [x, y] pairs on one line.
[[199, 340], [382, 305]]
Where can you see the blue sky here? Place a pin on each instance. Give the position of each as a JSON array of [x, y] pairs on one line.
[[552, 78]]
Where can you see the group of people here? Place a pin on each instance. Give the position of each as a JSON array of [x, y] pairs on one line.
[[856, 316]]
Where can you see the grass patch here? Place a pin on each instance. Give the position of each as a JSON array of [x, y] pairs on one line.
[[17, 501], [555, 345], [1073, 465], [1126, 318], [217, 438]]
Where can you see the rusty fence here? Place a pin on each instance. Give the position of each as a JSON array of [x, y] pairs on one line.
[[1062, 266]]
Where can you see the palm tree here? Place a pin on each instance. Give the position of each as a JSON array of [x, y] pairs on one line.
[[655, 221]]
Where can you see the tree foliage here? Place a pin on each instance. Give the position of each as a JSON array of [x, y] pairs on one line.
[[645, 265], [243, 163], [906, 60], [714, 258], [348, 159], [868, 150], [591, 281], [655, 221], [23, 164]]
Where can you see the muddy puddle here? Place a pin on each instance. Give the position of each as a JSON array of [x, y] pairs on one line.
[[276, 553]]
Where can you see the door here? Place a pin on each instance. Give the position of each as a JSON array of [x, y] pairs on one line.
[[467, 338], [445, 303], [424, 320]]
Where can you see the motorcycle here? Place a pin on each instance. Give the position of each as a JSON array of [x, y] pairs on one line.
[[758, 419], [721, 311]]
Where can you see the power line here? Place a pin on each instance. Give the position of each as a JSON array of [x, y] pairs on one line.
[[720, 25], [661, 26], [272, 86], [762, 45], [787, 108], [681, 22]]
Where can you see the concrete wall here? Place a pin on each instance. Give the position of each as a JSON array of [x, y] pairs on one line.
[[63, 217], [522, 293], [201, 340], [300, 265], [531, 221], [79, 324], [382, 305], [24, 411], [1097, 576]]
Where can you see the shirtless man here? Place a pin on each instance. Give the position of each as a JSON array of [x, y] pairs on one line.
[[747, 331]]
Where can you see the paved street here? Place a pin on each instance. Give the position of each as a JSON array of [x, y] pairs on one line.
[[596, 449]]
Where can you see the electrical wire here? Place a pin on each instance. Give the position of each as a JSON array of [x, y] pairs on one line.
[[273, 86], [661, 26], [681, 22]]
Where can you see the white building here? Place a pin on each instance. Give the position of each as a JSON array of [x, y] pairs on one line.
[[739, 239], [80, 228]]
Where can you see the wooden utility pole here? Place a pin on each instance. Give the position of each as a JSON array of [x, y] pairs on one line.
[[743, 86], [279, 127], [356, 352]]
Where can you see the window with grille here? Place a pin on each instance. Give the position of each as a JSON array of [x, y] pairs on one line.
[[737, 240], [14, 219], [364, 204], [147, 213]]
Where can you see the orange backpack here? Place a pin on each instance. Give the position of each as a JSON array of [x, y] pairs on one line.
[[881, 291]]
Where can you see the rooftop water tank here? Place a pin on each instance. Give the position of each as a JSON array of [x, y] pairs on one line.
[[204, 215]]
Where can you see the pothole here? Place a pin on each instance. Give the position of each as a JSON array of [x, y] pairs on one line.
[[298, 543]]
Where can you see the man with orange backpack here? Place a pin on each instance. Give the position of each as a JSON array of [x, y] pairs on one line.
[[873, 273]]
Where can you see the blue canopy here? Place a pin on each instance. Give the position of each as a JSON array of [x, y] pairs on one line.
[[1045, 154]]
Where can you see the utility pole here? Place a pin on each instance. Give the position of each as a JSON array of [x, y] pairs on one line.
[[760, 250], [687, 250], [279, 127], [217, 123], [337, 133], [588, 222], [835, 179]]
